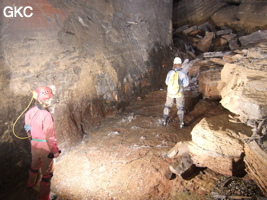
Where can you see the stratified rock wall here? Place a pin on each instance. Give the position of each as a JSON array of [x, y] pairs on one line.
[[252, 13], [195, 11], [99, 54], [245, 16]]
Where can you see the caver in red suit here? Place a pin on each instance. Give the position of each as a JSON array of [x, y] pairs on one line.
[[39, 121]]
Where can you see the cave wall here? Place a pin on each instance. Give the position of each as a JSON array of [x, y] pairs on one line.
[[99, 54], [244, 16], [194, 11]]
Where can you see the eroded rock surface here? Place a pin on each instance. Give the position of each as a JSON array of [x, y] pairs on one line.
[[256, 161], [244, 92]]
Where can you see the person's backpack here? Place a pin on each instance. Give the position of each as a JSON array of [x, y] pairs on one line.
[[173, 84]]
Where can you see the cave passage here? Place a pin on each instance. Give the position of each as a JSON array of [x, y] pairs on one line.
[[109, 60]]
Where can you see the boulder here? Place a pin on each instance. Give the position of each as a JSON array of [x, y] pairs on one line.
[[245, 90], [217, 144], [253, 39], [209, 83], [218, 61], [219, 163], [178, 150], [205, 43], [183, 166], [224, 32]]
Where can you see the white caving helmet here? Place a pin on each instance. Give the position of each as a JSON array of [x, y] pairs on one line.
[[177, 60]]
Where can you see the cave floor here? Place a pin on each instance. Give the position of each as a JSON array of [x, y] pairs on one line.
[[125, 158]]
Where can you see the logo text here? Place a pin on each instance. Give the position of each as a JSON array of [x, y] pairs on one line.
[[18, 12]]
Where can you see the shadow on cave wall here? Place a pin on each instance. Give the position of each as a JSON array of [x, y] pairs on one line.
[[14, 153], [161, 59]]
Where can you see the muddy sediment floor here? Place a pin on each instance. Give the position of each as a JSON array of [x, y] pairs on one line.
[[125, 159]]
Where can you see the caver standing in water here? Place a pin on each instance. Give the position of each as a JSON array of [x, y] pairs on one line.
[[40, 125], [176, 81]]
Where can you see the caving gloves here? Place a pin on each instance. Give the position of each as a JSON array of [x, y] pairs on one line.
[[27, 127]]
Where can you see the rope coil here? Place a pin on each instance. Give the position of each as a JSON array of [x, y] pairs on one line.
[[13, 129]]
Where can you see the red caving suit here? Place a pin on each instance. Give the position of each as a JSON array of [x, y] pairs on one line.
[[43, 142]]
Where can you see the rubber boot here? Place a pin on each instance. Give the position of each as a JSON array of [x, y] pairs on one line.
[[32, 179], [181, 119], [44, 190], [166, 120]]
